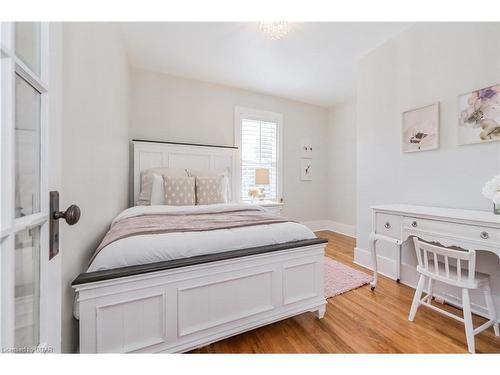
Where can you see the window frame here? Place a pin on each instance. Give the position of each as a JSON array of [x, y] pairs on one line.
[[241, 113]]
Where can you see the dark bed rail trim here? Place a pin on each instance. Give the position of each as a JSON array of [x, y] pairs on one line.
[[183, 144], [115, 273]]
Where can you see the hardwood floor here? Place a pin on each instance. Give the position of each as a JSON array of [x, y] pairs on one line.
[[360, 321]]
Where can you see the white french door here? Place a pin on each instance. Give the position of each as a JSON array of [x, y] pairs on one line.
[[30, 291]]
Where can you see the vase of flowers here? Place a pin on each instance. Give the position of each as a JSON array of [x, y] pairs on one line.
[[491, 191], [253, 193]]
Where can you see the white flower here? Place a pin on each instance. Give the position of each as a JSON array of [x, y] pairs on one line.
[[492, 188], [253, 192]]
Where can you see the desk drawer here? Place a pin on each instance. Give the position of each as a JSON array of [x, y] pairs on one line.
[[389, 225], [488, 236]]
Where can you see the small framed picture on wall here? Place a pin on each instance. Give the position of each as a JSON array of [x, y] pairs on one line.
[[306, 149], [305, 169], [420, 129]]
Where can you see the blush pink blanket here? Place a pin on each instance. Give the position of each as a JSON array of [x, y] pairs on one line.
[[187, 222]]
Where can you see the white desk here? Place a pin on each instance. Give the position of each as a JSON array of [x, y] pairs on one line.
[[468, 229]]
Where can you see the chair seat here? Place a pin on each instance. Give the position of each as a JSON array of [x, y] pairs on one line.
[[479, 277]]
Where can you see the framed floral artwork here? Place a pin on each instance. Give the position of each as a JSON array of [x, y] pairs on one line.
[[420, 129], [479, 116]]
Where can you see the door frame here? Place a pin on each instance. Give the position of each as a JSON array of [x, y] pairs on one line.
[[50, 271]]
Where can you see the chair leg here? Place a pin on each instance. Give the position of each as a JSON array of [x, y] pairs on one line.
[[416, 298], [469, 328], [430, 290], [491, 307]]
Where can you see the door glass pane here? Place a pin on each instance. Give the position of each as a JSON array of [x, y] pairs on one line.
[[27, 289], [27, 35], [27, 135]]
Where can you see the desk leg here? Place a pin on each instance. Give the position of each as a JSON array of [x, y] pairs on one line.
[[373, 249], [398, 263]]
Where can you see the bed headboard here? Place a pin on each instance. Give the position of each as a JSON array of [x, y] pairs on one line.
[[155, 154]]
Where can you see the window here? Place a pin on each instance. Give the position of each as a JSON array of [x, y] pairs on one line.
[[258, 137]]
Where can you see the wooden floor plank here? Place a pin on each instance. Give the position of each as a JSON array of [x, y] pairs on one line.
[[361, 321]]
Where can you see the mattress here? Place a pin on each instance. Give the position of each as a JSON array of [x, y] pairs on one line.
[[160, 247]]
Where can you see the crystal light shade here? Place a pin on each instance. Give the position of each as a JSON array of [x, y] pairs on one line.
[[275, 30]]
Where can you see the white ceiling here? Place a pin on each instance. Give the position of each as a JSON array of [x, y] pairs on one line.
[[316, 63]]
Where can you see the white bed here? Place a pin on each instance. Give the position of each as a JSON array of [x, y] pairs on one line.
[[173, 292], [171, 246]]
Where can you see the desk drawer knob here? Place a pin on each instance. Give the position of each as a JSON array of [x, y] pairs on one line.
[[485, 235], [387, 225], [414, 224]]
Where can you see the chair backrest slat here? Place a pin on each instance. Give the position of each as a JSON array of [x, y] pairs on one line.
[[430, 264], [447, 267], [436, 264]]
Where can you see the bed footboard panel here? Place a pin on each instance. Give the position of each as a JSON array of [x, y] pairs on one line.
[[180, 309]]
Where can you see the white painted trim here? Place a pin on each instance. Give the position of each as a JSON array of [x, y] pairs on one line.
[[7, 281], [386, 267], [345, 229], [49, 323], [260, 115]]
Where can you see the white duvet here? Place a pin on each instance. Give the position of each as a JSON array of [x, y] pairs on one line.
[[152, 248]]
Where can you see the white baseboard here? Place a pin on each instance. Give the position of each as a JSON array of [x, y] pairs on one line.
[[386, 266], [345, 229], [409, 277]]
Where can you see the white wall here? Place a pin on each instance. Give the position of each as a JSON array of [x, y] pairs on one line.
[[342, 167], [423, 65], [168, 108], [95, 147]]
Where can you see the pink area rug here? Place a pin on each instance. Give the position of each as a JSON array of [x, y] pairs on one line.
[[340, 278]]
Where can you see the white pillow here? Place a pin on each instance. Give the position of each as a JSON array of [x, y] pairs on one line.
[[157, 191]]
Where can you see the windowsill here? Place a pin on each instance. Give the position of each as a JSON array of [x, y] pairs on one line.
[[265, 203]]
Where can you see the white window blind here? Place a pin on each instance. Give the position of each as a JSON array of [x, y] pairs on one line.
[[259, 149]]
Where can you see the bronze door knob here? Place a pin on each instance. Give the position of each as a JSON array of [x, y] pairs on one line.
[[71, 215]]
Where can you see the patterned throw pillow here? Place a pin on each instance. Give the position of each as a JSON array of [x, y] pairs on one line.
[[214, 173], [210, 190], [148, 179], [179, 191]]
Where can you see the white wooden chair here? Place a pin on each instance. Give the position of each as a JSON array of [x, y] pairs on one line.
[[453, 267]]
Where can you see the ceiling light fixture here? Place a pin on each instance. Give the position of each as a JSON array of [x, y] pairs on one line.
[[275, 30]]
